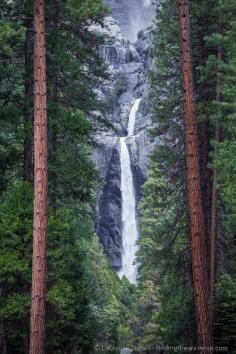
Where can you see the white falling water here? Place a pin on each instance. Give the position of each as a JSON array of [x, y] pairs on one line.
[[132, 117], [129, 222]]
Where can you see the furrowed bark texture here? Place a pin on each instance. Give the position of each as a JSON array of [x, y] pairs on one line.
[[197, 224], [37, 330]]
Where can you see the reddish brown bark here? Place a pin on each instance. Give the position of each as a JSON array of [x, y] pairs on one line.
[[197, 223], [37, 329]]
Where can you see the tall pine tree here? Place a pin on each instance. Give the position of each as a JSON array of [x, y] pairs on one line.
[[40, 233]]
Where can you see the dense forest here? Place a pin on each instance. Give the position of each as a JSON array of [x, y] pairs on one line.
[[59, 292]]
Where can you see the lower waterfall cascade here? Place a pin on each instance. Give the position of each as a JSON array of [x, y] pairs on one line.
[[129, 221]]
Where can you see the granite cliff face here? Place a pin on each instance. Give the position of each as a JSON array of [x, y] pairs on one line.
[[132, 15], [128, 64]]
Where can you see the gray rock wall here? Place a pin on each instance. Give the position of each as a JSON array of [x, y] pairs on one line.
[[128, 65]]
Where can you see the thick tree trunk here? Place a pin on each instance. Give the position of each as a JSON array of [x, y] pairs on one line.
[[197, 224], [37, 330], [28, 172]]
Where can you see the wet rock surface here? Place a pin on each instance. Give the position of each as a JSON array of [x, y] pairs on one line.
[[109, 227], [128, 66]]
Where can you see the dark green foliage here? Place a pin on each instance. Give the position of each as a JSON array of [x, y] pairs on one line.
[[225, 309], [16, 248], [164, 255], [83, 306], [224, 162], [86, 303], [218, 76], [11, 100], [73, 69], [83, 300], [165, 262]]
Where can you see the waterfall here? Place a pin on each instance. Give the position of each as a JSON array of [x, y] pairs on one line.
[[129, 222], [132, 117]]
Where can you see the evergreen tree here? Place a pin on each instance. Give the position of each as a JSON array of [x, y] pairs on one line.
[[87, 306], [83, 302], [164, 192], [40, 232], [164, 255], [196, 218]]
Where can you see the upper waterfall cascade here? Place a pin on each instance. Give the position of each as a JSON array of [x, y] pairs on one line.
[[132, 117], [129, 221]]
